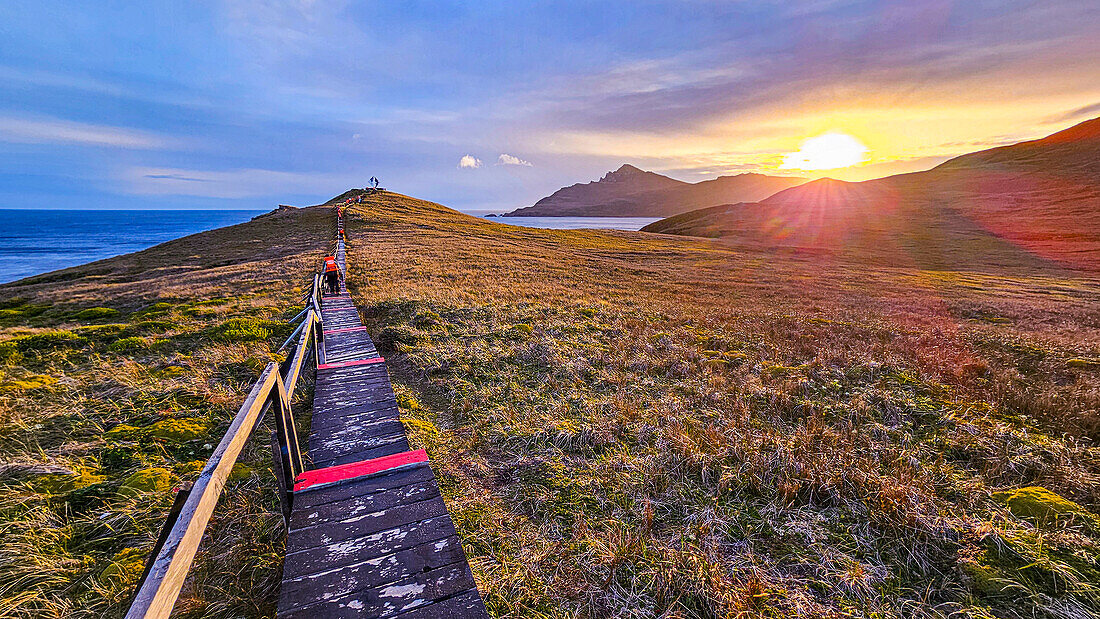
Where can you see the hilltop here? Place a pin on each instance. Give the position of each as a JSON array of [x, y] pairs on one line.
[[1032, 202], [631, 192]]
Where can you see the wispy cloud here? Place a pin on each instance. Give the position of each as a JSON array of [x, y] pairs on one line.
[[57, 131], [1080, 113], [231, 183], [506, 159], [469, 162]]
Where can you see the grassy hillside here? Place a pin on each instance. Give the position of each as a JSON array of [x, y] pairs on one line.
[[1023, 204], [117, 379], [639, 425]]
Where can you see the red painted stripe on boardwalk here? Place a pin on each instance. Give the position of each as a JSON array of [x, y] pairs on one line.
[[345, 364], [341, 472], [346, 330]]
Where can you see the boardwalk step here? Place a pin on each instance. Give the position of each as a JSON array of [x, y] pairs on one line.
[[369, 534]]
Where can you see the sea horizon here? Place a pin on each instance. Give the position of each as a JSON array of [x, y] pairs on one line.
[[32, 245]]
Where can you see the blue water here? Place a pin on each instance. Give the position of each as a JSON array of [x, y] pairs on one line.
[[578, 223], [39, 241]]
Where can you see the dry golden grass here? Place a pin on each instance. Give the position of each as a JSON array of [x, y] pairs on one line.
[[639, 425]]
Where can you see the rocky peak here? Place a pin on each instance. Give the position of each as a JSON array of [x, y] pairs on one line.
[[625, 172]]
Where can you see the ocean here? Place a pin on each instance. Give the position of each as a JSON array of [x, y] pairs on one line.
[[578, 223], [39, 241]]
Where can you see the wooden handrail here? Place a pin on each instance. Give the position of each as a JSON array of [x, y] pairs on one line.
[[165, 575], [159, 592]]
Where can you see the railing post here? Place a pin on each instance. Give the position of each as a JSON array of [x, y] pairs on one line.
[[182, 493], [288, 454]]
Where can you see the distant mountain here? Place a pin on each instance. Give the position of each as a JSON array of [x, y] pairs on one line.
[[630, 192], [1035, 201]]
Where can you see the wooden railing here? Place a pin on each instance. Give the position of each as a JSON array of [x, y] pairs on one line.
[[180, 536]]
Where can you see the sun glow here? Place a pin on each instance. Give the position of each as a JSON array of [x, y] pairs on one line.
[[827, 151]]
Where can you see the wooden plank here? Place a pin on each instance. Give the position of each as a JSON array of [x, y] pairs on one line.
[[312, 497], [464, 605], [349, 329], [376, 502], [382, 411], [159, 592], [364, 547], [331, 365], [388, 600], [352, 444], [372, 573], [377, 452], [331, 532], [363, 432]]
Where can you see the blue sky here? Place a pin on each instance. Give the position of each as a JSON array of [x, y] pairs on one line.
[[247, 104]]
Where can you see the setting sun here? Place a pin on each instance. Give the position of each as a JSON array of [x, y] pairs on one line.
[[826, 152]]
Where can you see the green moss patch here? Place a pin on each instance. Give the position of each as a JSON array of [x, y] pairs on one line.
[[50, 340], [1041, 506], [125, 568], [96, 313], [147, 480], [241, 472], [128, 345], [99, 331], [29, 383], [245, 330], [177, 430], [170, 430], [156, 309], [61, 483]]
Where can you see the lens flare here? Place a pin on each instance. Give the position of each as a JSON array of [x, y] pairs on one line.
[[827, 151]]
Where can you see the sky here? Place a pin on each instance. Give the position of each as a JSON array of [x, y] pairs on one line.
[[488, 106]]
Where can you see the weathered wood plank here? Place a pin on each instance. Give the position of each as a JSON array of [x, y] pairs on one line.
[[464, 605], [395, 447], [358, 549], [419, 590], [361, 486], [374, 572], [363, 432], [382, 411], [364, 524], [340, 447], [361, 505]]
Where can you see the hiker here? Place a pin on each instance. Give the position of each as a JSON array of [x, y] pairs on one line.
[[332, 275]]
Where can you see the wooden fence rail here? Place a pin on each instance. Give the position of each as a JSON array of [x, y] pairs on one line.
[[166, 572]]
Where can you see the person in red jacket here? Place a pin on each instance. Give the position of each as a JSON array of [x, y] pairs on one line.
[[332, 275]]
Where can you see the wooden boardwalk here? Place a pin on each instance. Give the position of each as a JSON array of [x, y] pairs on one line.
[[369, 533]]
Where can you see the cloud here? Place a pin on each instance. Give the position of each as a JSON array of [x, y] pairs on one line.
[[231, 183], [1088, 110], [57, 131], [506, 159], [469, 161]]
